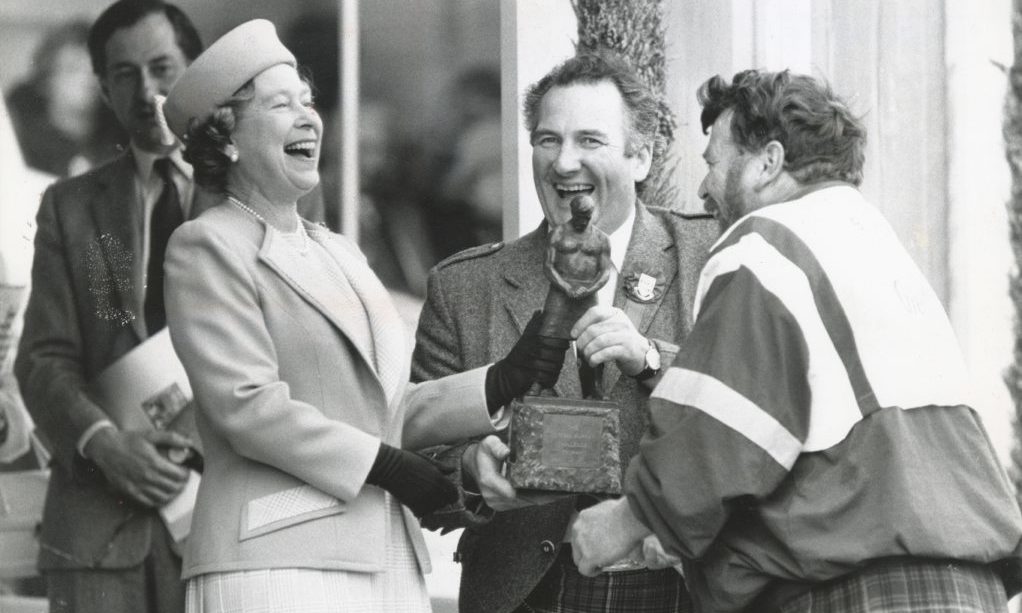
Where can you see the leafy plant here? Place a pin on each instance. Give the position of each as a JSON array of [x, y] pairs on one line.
[[635, 29], [1013, 140]]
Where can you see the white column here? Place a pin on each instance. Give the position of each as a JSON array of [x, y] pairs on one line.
[[349, 74], [535, 36], [783, 32], [978, 48]]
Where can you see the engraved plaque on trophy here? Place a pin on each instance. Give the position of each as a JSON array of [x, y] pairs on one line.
[[565, 445], [569, 444]]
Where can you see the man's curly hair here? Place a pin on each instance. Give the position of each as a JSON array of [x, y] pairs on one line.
[[821, 137]]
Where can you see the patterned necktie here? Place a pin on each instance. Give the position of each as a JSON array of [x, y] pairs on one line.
[[166, 217]]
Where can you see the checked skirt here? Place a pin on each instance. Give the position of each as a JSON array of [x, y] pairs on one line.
[[906, 586]]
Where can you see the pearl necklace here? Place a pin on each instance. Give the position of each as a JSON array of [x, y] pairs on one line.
[[301, 227]]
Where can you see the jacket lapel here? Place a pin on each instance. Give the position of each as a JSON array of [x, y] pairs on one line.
[[649, 253], [328, 300], [524, 291], [388, 330], [117, 212]]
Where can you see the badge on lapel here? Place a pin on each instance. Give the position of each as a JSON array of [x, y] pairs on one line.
[[643, 287]]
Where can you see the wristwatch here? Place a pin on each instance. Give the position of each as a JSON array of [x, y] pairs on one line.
[[652, 367]]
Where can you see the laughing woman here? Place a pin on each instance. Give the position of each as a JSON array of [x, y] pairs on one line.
[[296, 358]]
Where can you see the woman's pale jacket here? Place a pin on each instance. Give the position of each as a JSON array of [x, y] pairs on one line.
[[291, 409]]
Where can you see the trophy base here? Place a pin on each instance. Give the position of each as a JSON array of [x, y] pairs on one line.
[[565, 445]]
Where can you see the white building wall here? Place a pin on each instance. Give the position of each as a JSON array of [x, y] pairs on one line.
[[978, 49]]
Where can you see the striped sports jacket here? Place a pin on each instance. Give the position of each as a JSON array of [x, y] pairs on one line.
[[818, 415]]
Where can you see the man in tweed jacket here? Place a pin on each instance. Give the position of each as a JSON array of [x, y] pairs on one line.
[[592, 125], [103, 544]]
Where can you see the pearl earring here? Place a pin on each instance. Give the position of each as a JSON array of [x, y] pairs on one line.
[[231, 152]]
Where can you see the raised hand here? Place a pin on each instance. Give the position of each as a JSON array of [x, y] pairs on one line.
[[605, 334], [533, 359]]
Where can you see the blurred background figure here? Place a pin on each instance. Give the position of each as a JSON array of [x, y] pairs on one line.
[[393, 227], [460, 176], [474, 176], [392, 231], [60, 120], [22, 187]]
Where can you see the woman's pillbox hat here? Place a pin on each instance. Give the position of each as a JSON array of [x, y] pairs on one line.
[[223, 69]]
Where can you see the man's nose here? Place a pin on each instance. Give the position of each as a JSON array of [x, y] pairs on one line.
[[568, 159], [148, 86], [703, 193], [709, 205]]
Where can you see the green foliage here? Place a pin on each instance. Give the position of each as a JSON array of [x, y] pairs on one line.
[[1013, 140], [635, 29]]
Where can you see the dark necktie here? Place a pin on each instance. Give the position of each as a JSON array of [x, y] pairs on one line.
[[166, 217]]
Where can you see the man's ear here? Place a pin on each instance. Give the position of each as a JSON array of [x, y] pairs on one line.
[[770, 163], [642, 160]]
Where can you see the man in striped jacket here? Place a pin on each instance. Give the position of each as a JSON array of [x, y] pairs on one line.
[[812, 448]]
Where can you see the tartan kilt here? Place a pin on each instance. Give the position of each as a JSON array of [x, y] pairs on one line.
[[905, 586], [564, 590]]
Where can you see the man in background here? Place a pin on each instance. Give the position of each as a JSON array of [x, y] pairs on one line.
[[97, 292], [592, 125]]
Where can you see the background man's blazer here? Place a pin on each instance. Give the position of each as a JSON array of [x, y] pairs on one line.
[[477, 305], [84, 312]]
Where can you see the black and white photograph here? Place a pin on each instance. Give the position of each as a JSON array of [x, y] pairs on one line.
[[510, 306]]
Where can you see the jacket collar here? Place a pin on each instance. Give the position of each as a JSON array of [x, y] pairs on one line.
[[526, 283], [385, 358], [523, 292], [650, 252]]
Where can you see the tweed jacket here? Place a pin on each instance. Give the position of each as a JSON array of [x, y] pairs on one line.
[[84, 312], [292, 401], [477, 305]]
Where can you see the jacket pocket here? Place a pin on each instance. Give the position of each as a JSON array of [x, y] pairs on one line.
[[286, 508]]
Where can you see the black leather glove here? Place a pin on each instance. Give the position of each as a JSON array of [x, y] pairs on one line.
[[533, 359], [415, 481]]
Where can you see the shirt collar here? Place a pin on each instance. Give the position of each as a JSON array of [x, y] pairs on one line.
[[619, 240], [144, 162]]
